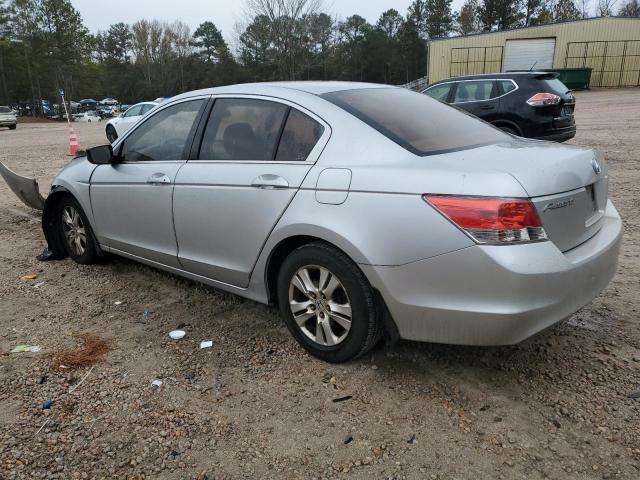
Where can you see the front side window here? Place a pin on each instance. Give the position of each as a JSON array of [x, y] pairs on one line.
[[474, 91], [133, 111], [507, 86], [145, 108], [415, 121], [164, 135], [243, 129], [439, 92]]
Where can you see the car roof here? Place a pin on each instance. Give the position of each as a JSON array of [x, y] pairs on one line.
[[514, 74], [265, 88]]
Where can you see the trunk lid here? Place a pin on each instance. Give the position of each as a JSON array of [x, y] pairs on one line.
[[568, 185]]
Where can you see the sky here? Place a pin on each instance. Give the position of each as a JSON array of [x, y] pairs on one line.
[[98, 15]]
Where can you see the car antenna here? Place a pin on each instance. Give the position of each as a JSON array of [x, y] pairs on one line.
[[534, 64]]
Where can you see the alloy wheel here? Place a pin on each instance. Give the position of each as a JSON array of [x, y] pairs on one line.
[[320, 305], [75, 234]]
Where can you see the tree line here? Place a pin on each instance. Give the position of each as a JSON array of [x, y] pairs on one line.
[[44, 46]]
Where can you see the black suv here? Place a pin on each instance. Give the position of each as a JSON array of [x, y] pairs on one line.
[[527, 104]]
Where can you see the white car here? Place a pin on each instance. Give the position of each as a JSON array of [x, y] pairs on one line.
[[87, 117], [7, 118], [118, 125]]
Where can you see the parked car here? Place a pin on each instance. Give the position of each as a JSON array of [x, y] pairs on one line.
[[8, 118], [87, 117], [117, 126], [527, 104], [357, 208]]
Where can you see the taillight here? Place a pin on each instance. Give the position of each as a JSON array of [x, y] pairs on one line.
[[491, 220], [544, 99]]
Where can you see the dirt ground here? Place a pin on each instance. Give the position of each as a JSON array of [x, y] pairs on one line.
[[559, 405]]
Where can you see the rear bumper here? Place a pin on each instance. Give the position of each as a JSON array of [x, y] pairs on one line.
[[497, 295], [559, 135], [8, 123]]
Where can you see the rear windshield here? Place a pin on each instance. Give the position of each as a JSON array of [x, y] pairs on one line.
[[555, 86], [415, 121], [5, 110]]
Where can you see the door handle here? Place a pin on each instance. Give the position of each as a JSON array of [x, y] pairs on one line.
[[158, 179], [269, 182]]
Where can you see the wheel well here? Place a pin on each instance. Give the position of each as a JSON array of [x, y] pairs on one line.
[[49, 221], [282, 251], [285, 247], [509, 124]]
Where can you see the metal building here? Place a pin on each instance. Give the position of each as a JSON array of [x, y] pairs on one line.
[[610, 46]]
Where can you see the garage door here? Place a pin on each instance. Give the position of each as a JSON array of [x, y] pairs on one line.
[[529, 54]]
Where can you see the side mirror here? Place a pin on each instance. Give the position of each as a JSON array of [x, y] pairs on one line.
[[102, 155]]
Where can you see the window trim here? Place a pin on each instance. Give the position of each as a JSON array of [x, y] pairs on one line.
[[313, 156], [455, 82], [119, 144]]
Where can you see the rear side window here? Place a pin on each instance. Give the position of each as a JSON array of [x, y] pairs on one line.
[[300, 135], [439, 92], [474, 91], [416, 122], [164, 135], [243, 129], [507, 86], [5, 110]]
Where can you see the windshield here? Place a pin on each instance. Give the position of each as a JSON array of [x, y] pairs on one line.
[[415, 121]]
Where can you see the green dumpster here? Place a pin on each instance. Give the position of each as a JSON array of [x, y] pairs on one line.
[[573, 78]]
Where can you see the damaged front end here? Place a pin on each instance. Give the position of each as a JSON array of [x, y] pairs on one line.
[[27, 190]]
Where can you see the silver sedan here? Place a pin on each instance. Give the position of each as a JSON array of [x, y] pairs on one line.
[[359, 209]]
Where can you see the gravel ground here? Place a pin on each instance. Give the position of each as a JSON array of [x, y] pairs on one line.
[[255, 406]]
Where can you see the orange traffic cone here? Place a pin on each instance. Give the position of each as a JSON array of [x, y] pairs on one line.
[[73, 143]]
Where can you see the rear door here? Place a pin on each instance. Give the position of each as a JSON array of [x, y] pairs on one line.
[[478, 97], [254, 155]]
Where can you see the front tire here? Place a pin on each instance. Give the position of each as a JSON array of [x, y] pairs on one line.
[[328, 304], [76, 233]]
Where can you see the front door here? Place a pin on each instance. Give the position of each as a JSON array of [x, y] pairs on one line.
[[132, 200], [253, 158]]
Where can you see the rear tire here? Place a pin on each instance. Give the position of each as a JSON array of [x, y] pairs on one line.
[[336, 317], [75, 232], [12, 127]]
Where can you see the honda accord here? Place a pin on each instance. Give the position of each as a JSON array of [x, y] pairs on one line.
[[358, 209]]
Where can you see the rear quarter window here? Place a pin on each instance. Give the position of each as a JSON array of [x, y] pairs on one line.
[[418, 123]]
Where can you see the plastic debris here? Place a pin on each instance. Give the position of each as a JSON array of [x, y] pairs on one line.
[[342, 399], [206, 344], [39, 284], [634, 395], [177, 334], [157, 383], [118, 302], [31, 276], [146, 312], [348, 439], [26, 348], [412, 440], [46, 405]]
